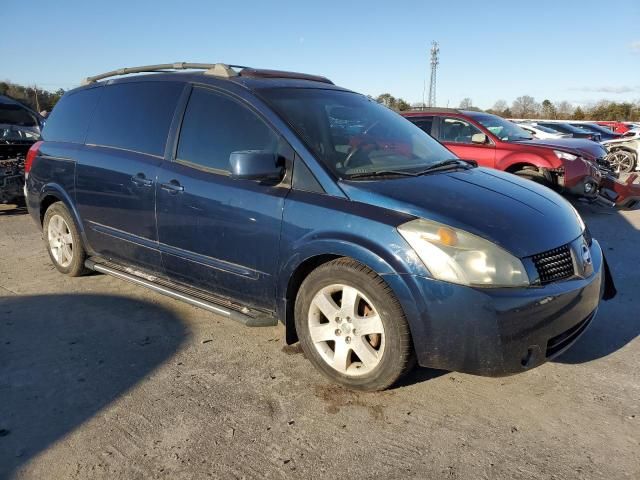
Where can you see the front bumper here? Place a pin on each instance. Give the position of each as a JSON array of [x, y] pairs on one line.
[[581, 178], [501, 331], [625, 194]]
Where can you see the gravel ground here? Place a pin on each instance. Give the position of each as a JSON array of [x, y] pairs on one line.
[[102, 379]]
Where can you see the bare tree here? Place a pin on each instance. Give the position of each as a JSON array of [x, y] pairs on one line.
[[500, 106], [564, 110], [525, 107], [466, 103]]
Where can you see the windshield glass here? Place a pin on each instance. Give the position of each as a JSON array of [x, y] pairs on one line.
[[544, 129], [354, 135], [594, 128], [501, 128]]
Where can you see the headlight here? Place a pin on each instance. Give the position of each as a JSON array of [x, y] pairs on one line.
[[460, 257], [565, 155]]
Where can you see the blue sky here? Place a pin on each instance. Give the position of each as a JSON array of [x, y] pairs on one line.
[[580, 51]]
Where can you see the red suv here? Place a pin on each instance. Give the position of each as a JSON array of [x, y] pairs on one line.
[[570, 165]]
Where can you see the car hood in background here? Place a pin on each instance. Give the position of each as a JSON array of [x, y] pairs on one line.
[[519, 215], [580, 146]]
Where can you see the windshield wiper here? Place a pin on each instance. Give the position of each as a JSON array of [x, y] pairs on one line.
[[381, 173], [450, 164]]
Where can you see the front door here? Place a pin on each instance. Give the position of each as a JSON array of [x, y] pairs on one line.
[[215, 232], [456, 133]]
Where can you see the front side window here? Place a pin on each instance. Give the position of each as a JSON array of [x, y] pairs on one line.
[[503, 129], [215, 125], [352, 134], [457, 130]]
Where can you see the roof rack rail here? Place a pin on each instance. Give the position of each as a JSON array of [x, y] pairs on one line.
[[434, 109], [216, 69]]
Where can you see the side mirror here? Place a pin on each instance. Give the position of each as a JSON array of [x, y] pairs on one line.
[[254, 165], [480, 138]]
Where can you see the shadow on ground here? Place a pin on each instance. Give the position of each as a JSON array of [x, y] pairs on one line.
[[617, 322], [65, 357], [7, 210]]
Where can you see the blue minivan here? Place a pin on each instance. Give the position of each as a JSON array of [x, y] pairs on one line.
[[269, 196]]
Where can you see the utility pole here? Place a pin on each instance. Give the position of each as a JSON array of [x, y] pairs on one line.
[[435, 60]]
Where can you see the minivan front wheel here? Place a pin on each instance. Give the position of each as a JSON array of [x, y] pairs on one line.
[[351, 326], [63, 241]]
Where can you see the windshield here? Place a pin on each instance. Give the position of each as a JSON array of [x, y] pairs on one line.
[[565, 128], [594, 128], [544, 129], [501, 128], [352, 134]]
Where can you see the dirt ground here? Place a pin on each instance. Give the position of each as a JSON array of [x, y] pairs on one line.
[[102, 379]]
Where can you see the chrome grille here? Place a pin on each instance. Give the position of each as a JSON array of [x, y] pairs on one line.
[[554, 265]]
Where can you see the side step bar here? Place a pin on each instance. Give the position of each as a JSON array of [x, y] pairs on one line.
[[174, 292]]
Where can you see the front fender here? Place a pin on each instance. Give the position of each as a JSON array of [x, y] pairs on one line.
[[518, 158]]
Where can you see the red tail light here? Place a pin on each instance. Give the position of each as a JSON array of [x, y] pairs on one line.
[[31, 155]]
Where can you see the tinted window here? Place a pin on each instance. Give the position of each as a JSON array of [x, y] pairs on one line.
[[70, 117], [214, 125], [17, 115], [424, 123], [135, 116], [303, 178], [457, 130]]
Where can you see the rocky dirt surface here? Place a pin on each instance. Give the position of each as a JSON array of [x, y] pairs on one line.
[[102, 379]]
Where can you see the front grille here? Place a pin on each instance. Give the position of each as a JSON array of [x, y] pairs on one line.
[[554, 265]]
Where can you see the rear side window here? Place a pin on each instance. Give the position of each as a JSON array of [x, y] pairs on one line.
[[70, 117], [215, 125], [135, 116]]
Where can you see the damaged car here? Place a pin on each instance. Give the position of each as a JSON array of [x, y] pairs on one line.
[[572, 166], [19, 130]]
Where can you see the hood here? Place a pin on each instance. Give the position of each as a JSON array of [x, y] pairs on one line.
[[519, 215], [579, 146]]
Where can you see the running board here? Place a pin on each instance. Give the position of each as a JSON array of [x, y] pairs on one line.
[[247, 317]]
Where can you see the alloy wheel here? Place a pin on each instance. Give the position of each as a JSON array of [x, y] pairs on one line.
[[346, 330], [60, 241], [621, 161]]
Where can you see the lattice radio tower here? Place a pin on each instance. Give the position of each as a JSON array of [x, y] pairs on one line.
[[435, 60]]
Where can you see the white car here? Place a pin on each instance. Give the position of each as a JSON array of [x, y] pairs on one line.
[[538, 131]]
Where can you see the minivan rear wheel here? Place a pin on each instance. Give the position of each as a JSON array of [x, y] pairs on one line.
[[64, 243], [352, 327]]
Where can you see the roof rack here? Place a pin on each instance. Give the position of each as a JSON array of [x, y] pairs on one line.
[[216, 69], [433, 109]]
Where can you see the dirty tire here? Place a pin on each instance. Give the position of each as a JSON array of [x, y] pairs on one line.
[[75, 266], [397, 355]]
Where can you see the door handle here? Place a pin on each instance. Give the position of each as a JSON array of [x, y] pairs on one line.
[[141, 181], [172, 187]]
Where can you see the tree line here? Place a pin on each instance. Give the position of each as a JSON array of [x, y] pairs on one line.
[[526, 106], [33, 97]]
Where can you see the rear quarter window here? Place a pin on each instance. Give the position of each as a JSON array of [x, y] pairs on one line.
[[135, 116], [70, 117]]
